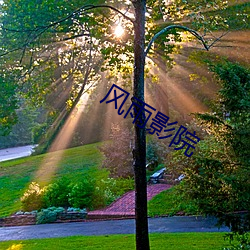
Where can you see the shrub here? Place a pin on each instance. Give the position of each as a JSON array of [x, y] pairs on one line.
[[243, 242], [123, 185], [156, 152], [103, 194], [118, 153], [57, 193], [81, 194], [109, 189], [33, 197], [48, 215]]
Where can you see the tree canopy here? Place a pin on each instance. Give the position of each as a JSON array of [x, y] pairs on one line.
[[59, 45]]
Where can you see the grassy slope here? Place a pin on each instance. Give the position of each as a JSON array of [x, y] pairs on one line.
[[173, 241], [169, 203], [16, 175]]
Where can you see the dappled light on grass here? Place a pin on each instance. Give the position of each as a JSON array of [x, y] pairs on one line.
[[51, 161], [15, 247]]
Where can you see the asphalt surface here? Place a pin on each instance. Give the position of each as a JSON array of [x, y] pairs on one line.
[[14, 153], [156, 225]]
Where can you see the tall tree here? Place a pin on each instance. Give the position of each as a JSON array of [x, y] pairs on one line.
[[217, 177]]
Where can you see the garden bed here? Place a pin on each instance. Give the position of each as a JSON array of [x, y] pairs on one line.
[[30, 219]]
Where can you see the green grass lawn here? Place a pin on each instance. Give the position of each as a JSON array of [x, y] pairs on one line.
[[170, 241], [169, 202], [16, 175]]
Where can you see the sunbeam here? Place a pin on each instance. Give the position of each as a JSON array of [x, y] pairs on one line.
[[171, 92], [51, 161]]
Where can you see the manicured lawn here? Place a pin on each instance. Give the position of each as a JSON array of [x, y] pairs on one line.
[[169, 202], [16, 175], [173, 241]]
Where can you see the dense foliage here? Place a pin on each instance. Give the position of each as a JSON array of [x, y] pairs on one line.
[[56, 50], [217, 176], [88, 193], [8, 105]]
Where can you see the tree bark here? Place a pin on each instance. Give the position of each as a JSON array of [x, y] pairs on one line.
[[139, 152]]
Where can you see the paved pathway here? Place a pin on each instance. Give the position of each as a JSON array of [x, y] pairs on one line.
[[156, 225], [14, 153], [125, 206]]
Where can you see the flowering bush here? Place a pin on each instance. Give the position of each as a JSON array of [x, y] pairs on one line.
[[33, 197]]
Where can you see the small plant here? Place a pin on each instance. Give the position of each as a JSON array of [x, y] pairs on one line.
[[76, 210], [33, 197], [122, 186], [109, 189], [48, 215], [243, 242], [103, 195]]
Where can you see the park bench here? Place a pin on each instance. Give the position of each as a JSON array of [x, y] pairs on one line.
[[182, 176], [155, 177]]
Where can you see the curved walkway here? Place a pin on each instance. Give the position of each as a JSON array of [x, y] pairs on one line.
[[120, 208], [156, 225], [17, 152], [125, 205]]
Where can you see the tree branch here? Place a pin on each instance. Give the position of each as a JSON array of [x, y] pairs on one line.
[[112, 8], [86, 8], [42, 29], [193, 32], [74, 13], [218, 38]]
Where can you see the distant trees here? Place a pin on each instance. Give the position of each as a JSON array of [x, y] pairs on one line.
[[8, 105]]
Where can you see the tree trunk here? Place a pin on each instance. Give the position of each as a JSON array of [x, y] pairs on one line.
[[139, 152]]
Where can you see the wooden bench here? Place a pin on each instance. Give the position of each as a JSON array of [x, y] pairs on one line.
[[155, 177]]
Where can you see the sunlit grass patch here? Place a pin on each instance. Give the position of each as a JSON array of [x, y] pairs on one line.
[[16, 175], [169, 202], [170, 241]]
